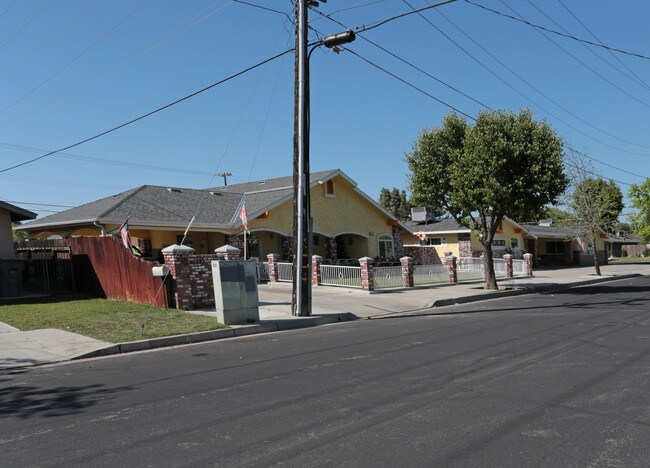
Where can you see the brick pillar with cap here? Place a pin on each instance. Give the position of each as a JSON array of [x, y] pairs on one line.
[[407, 271], [452, 268], [508, 260], [177, 259], [528, 258], [273, 267], [367, 275], [315, 270]]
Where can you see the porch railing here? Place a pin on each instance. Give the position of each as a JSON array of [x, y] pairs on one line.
[[429, 274], [337, 275], [388, 277], [285, 272]]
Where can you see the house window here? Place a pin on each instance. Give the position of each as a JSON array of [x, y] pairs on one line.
[[514, 243], [386, 246], [499, 243], [329, 188], [555, 247], [434, 241]]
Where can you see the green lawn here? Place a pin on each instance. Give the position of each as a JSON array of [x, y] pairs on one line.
[[111, 321], [629, 260]]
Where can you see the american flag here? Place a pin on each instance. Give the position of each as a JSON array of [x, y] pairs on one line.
[[244, 218], [126, 236], [582, 244]]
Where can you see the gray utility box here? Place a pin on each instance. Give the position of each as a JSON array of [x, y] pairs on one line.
[[235, 291]]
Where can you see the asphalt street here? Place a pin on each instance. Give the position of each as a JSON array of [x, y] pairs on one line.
[[558, 380]]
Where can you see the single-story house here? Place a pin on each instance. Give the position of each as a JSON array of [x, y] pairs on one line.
[[347, 223], [430, 239], [624, 244], [554, 245], [11, 269]]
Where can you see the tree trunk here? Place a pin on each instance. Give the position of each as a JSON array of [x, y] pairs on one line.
[[596, 264], [488, 264]]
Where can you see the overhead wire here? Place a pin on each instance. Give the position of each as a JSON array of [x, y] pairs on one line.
[[177, 30], [47, 37], [39, 204], [148, 114], [601, 42], [403, 60], [26, 24], [75, 58], [378, 23], [8, 8], [523, 20], [526, 97]]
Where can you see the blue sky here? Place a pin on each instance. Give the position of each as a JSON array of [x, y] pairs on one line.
[[72, 68]]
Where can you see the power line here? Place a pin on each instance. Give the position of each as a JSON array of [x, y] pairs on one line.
[[602, 77], [596, 37], [148, 114], [254, 5], [352, 7], [39, 204], [29, 21], [602, 162], [497, 76], [8, 8], [568, 36], [369, 62], [407, 62], [376, 24]]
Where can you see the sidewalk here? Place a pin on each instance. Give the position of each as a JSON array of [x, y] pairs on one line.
[[19, 349]]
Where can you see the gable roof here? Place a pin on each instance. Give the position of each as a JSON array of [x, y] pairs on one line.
[[438, 226], [156, 206], [17, 213]]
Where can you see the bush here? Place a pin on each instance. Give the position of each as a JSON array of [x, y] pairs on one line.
[[624, 253], [646, 252]]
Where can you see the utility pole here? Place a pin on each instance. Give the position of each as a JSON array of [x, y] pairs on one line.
[[225, 176], [301, 296]]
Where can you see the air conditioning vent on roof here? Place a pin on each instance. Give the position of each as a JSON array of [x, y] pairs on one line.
[[422, 214], [261, 182], [174, 189], [215, 193]]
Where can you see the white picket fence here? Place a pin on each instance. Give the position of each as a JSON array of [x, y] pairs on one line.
[[469, 268], [339, 275]]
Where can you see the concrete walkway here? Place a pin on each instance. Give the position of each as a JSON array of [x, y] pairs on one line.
[[25, 348]]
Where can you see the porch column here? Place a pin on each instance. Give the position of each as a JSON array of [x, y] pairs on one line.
[[367, 275], [315, 270], [273, 267], [452, 269], [407, 271], [528, 258], [508, 260], [331, 248], [177, 259]]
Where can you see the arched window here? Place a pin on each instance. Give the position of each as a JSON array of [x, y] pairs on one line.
[[386, 246]]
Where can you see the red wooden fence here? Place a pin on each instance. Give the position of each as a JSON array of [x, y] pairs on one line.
[[121, 275]]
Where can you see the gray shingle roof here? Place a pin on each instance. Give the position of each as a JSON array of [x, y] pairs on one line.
[[270, 184], [547, 231], [438, 225]]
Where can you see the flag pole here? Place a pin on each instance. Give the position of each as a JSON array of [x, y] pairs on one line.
[[245, 243]]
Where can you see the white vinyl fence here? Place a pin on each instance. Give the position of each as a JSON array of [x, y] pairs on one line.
[[469, 268], [264, 271], [429, 274], [518, 267], [338, 275], [388, 277], [499, 267]]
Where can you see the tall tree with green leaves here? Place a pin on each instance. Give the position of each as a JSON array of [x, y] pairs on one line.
[[640, 197], [18, 236], [396, 203], [504, 164]]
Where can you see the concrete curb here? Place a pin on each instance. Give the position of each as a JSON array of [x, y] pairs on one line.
[[245, 330], [553, 287]]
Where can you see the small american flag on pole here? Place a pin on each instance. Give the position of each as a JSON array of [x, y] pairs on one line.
[[243, 216], [582, 244], [126, 236]]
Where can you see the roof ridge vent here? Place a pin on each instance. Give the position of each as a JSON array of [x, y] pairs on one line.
[[261, 182], [174, 189]]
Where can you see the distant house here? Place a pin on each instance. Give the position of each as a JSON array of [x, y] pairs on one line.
[[11, 269], [348, 224], [431, 238], [554, 245], [624, 244]]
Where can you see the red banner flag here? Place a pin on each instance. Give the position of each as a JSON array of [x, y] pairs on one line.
[[243, 216]]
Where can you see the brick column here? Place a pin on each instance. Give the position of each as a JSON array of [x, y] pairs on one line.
[[528, 258], [452, 270], [177, 259], [367, 276], [508, 260], [407, 271], [273, 267], [315, 270], [228, 252]]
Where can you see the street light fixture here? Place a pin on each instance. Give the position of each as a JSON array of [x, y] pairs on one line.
[[302, 245]]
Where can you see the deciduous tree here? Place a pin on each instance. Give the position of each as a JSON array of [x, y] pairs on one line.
[[640, 197], [503, 164]]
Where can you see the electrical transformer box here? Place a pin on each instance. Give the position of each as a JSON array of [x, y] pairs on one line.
[[235, 291]]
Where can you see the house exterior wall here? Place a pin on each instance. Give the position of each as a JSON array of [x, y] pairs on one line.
[[429, 254], [6, 236], [345, 212], [507, 234]]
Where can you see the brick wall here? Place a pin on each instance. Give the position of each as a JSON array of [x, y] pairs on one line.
[[192, 274]]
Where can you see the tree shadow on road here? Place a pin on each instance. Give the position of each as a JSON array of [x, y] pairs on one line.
[[24, 401]]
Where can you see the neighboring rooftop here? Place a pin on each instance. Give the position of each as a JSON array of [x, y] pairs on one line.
[[444, 225], [271, 184], [17, 213]]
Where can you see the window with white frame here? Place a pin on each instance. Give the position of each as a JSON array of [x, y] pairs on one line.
[[386, 249], [434, 241], [499, 244], [514, 243]]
